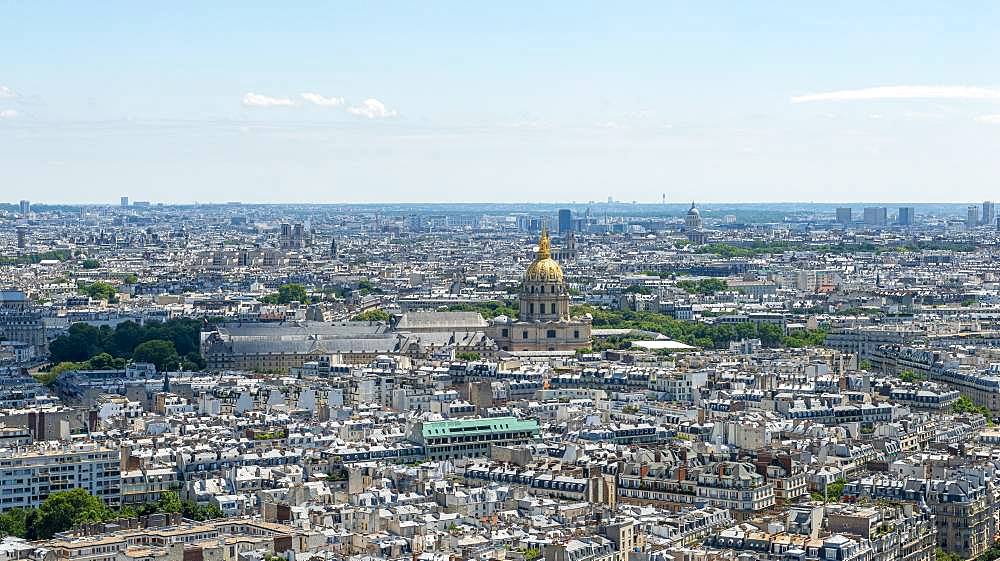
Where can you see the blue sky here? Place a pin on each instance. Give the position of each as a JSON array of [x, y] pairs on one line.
[[490, 101]]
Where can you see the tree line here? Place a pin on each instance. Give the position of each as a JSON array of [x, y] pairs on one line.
[[65, 510], [166, 344], [715, 336]]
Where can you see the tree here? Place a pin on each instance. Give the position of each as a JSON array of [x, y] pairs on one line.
[[64, 509], [194, 511], [13, 522], [807, 338], [770, 335], [91, 263], [966, 405], [366, 287], [372, 315], [292, 293], [68, 367], [911, 376], [211, 511], [100, 290], [194, 361], [703, 286], [835, 490], [80, 342], [942, 555], [104, 361], [161, 353], [169, 502], [467, 356]]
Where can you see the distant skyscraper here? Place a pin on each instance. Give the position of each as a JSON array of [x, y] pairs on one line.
[[25, 208], [989, 213], [845, 215], [972, 217], [124, 202], [876, 216], [565, 220], [905, 216], [22, 237]]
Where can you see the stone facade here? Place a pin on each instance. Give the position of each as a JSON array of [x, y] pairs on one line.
[[544, 322]]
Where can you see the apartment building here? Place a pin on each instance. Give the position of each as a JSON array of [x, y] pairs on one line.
[[28, 476], [736, 486]]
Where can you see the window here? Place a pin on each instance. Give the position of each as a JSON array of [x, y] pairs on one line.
[[553, 307], [524, 335], [551, 334], [504, 333], [576, 334]]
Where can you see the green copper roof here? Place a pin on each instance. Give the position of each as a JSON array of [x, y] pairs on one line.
[[463, 427]]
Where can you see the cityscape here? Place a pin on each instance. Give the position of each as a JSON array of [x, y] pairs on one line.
[[654, 280], [601, 381]]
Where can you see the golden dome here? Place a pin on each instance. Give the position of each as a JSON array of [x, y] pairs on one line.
[[544, 268]]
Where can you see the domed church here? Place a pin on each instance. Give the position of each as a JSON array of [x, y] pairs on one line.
[[694, 226], [543, 322]]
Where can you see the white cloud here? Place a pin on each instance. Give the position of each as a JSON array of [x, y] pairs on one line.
[[317, 99], [989, 119], [372, 109], [7, 93], [903, 92], [257, 100], [8, 113]]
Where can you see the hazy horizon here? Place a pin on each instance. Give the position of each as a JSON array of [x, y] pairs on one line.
[[382, 102]]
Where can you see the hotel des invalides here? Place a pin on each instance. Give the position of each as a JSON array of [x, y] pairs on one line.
[[543, 322], [543, 326]]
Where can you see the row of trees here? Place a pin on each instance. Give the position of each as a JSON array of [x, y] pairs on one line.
[[488, 310], [698, 333], [63, 510], [166, 344], [702, 286], [32, 258], [294, 292]]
